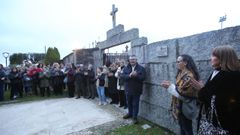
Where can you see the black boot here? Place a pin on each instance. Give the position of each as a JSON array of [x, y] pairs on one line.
[[135, 120], [127, 116]]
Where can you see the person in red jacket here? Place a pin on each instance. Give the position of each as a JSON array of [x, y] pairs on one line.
[[33, 73]]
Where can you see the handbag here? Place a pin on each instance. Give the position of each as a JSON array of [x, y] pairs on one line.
[[190, 109], [206, 126]]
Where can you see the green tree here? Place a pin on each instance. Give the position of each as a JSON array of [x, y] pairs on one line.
[[17, 58], [56, 52], [52, 55]]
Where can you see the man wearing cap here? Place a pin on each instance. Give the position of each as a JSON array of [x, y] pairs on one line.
[[134, 75]]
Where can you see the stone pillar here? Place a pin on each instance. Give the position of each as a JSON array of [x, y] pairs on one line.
[[101, 52], [137, 48]]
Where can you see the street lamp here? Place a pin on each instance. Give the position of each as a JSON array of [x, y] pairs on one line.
[[5, 55]]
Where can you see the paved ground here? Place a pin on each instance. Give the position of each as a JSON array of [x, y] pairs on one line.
[[59, 117]]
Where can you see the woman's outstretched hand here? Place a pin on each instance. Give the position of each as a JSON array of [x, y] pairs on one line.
[[198, 85], [165, 84]]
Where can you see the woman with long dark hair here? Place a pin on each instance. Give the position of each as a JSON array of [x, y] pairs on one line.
[[223, 86], [184, 107]]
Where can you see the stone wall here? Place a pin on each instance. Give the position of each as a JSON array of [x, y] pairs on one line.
[[159, 59], [85, 56], [160, 65], [69, 58]]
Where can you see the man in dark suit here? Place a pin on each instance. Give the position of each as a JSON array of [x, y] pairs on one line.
[[134, 75]]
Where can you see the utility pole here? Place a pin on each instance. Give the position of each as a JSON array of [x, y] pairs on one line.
[[222, 19], [45, 49]]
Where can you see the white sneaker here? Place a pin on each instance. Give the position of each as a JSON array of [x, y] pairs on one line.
[[105, 103], [100, 103]]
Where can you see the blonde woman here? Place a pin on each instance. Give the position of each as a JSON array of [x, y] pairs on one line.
[[120, 85]]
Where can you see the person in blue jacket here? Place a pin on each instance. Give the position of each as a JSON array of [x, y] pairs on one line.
[[134, 75]]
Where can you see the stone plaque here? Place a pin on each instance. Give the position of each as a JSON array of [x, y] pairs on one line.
[[162, 51]]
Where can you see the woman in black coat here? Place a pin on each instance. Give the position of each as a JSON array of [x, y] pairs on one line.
[[112, 84], [14, 78], [56, 78], [70, 80], [224, 84]]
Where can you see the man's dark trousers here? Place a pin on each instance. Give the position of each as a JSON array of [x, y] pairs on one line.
[[133, 105]]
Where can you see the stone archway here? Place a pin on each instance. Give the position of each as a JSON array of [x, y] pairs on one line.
[[118, 36]]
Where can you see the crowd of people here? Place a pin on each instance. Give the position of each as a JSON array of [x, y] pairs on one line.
[[78, 80], [33, 79], [215, 106]]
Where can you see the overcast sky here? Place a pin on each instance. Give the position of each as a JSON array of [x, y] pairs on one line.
[[29, 25]]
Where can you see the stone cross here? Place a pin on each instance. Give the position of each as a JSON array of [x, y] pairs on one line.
[[113, 14]]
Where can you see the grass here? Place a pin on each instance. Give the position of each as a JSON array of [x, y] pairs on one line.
[[28, 98], [138, 130]]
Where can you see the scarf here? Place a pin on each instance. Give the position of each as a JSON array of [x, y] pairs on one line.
[[184, 89]]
